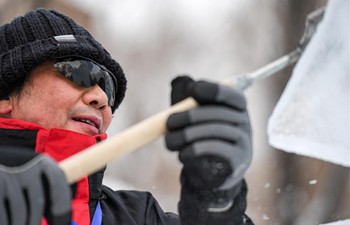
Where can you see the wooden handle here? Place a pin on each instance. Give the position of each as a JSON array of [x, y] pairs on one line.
[[96, 157]]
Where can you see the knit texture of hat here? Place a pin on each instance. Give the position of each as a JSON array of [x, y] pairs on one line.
[[34, 38]]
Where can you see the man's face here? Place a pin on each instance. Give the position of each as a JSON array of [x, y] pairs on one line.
[[52, 101]]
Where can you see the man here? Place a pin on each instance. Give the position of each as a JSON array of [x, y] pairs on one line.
[[58, 90]]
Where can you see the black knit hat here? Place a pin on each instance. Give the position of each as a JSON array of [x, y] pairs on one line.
[[43, 35]]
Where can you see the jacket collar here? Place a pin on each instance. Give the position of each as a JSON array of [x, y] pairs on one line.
[[57, 143]]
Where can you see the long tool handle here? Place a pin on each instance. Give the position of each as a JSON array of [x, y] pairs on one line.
[[144, 132], [94, 158]]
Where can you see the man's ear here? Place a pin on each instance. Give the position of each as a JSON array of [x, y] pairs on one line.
[[5, 108]]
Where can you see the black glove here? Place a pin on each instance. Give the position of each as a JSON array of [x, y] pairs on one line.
[[32, 186], [214, 144]]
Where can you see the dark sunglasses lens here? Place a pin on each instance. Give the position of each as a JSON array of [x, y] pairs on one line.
[[86, 74], [104, 79]]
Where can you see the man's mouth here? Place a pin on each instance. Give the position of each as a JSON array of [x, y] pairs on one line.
[[86, 121], [90, 120]]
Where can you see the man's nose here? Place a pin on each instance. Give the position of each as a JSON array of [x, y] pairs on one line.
[[95, 97]]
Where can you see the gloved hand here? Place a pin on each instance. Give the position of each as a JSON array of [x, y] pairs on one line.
[[32, 186], [214, 144]]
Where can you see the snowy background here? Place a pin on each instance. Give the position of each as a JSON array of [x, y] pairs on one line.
[[155, 40]]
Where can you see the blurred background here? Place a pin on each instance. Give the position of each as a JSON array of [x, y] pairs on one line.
[[155, 40]]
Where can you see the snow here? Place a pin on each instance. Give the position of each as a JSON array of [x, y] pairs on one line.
[[340, 222], [312, 116]]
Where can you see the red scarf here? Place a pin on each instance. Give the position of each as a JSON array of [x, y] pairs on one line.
[[61, 144]]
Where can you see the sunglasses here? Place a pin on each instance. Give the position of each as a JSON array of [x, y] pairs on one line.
[[87, 73]]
